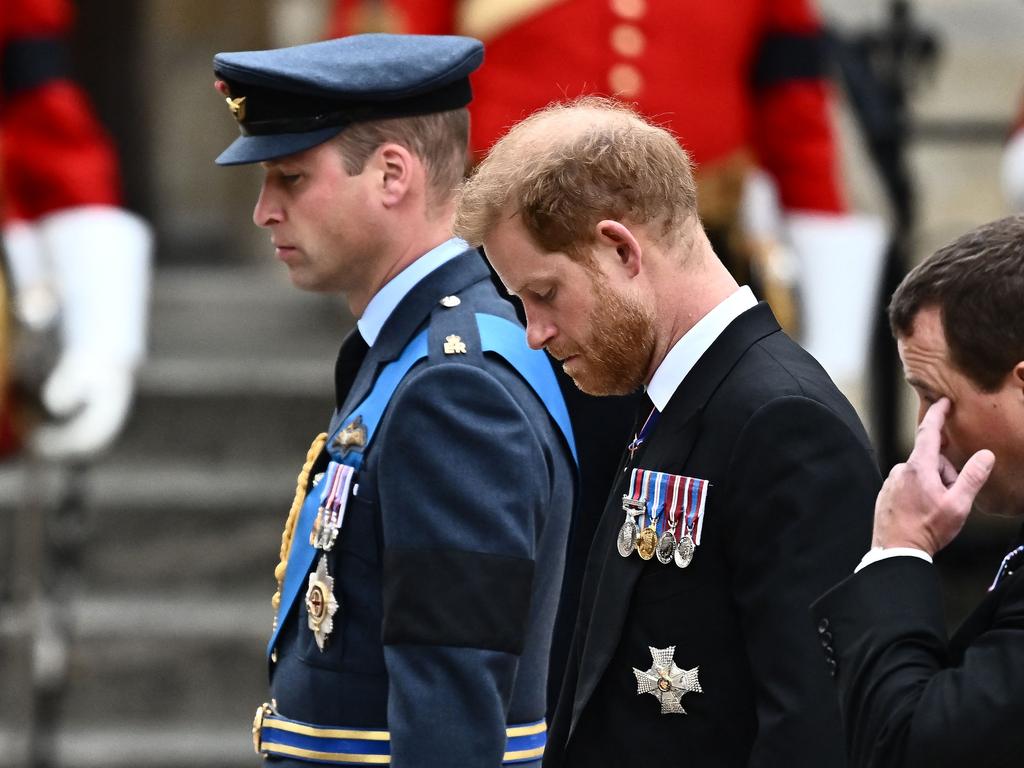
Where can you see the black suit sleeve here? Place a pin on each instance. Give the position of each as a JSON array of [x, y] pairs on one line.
[[800, 490], [904, 703]]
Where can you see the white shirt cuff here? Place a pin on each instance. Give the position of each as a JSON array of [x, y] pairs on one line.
[[881, 553]]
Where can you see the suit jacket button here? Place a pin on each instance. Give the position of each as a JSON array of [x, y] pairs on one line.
[[823, 626], [826, 638]]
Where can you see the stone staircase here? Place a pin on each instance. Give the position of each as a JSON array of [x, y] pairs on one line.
[[164, 591]]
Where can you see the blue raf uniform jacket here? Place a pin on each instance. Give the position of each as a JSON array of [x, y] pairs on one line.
[[448, 563]]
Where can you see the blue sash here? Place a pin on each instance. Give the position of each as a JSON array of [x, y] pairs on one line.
[[497, 335]]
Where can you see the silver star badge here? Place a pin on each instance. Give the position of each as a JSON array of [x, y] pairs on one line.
[[320, 603], [667, 682]]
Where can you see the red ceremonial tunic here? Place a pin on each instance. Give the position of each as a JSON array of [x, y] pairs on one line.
[[744, 75]]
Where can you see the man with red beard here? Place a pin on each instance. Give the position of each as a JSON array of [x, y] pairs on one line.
[[745, 491]]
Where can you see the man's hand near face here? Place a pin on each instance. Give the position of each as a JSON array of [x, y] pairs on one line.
[[925, 501]]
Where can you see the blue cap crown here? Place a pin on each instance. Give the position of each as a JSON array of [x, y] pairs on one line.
[[291, 99]]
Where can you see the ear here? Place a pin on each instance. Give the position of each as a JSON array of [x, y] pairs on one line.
[[1017, 376], [616, 236], [396, 167]]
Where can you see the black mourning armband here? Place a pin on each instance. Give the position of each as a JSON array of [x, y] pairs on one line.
[[787, 57], [32, 63], [455, 598]]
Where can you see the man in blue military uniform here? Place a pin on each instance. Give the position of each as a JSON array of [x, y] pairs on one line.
[[423, 554]]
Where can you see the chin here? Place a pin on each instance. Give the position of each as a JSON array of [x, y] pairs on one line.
[[602, 386]]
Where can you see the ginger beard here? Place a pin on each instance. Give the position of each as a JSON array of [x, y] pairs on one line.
[[614, 360]]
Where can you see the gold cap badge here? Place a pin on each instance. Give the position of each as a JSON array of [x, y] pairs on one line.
[[237, 107]]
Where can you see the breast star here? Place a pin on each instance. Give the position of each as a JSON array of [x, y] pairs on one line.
[[667, 682]]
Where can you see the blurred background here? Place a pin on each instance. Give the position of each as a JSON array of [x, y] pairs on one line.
[[136, 573]]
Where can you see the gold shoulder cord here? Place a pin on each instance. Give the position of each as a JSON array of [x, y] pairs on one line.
[[293, 516]]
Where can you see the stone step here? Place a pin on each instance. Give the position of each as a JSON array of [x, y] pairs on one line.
[[173, 528], [240, 366], [169, 745], [134, 660], [241, 312], [221, 419]]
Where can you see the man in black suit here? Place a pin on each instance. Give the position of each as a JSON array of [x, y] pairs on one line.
[[910, 696], [748, 486]]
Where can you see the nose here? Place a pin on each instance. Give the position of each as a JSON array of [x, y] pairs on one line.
[[539, 331], [267, 211]]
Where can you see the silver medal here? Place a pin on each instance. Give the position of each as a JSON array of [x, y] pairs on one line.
[[629, 532], [684, 551], [666, 548], [626, 541]]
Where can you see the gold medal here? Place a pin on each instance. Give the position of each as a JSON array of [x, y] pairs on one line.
[[647, 542], [320, 603]]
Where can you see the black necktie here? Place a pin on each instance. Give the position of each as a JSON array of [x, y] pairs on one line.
[[350, 357]]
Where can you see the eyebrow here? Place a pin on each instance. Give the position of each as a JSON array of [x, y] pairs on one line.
[[916, 383]]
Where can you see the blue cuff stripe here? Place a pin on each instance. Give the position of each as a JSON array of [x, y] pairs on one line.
[[318, 744], [519, 749], [517, 743]]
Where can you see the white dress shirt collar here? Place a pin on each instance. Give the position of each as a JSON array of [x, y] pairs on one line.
[[695, 342], [390, 296]]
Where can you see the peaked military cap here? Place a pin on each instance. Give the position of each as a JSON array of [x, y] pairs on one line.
[[291, 99]]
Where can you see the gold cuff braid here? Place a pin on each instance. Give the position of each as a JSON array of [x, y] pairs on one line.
[[293, 515]]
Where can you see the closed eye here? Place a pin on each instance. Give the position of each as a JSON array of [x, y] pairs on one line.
[[547, 296]]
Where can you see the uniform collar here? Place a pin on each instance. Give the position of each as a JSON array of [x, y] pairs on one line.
[[695, 342], [390, 296]]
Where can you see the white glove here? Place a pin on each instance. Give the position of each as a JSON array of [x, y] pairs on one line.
[[100, 258], [1012, 171], [35, 302], [839, 269], [837, 260]]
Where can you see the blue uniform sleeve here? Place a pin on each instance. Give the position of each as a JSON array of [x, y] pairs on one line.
[[464, 483]]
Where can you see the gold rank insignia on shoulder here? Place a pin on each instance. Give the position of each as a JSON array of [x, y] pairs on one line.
[[453, 345], [353, 435], [449, 302], [237, 107]]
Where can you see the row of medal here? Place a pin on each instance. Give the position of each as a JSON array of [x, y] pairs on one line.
[[321, 604], [664, 516]]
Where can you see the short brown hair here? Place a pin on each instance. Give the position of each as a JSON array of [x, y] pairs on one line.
[[594, 159], [977, 283], [439, 139]]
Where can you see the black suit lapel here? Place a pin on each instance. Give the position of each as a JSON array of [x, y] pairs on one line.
[[616, 575], [667, 449], [982, 618]]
